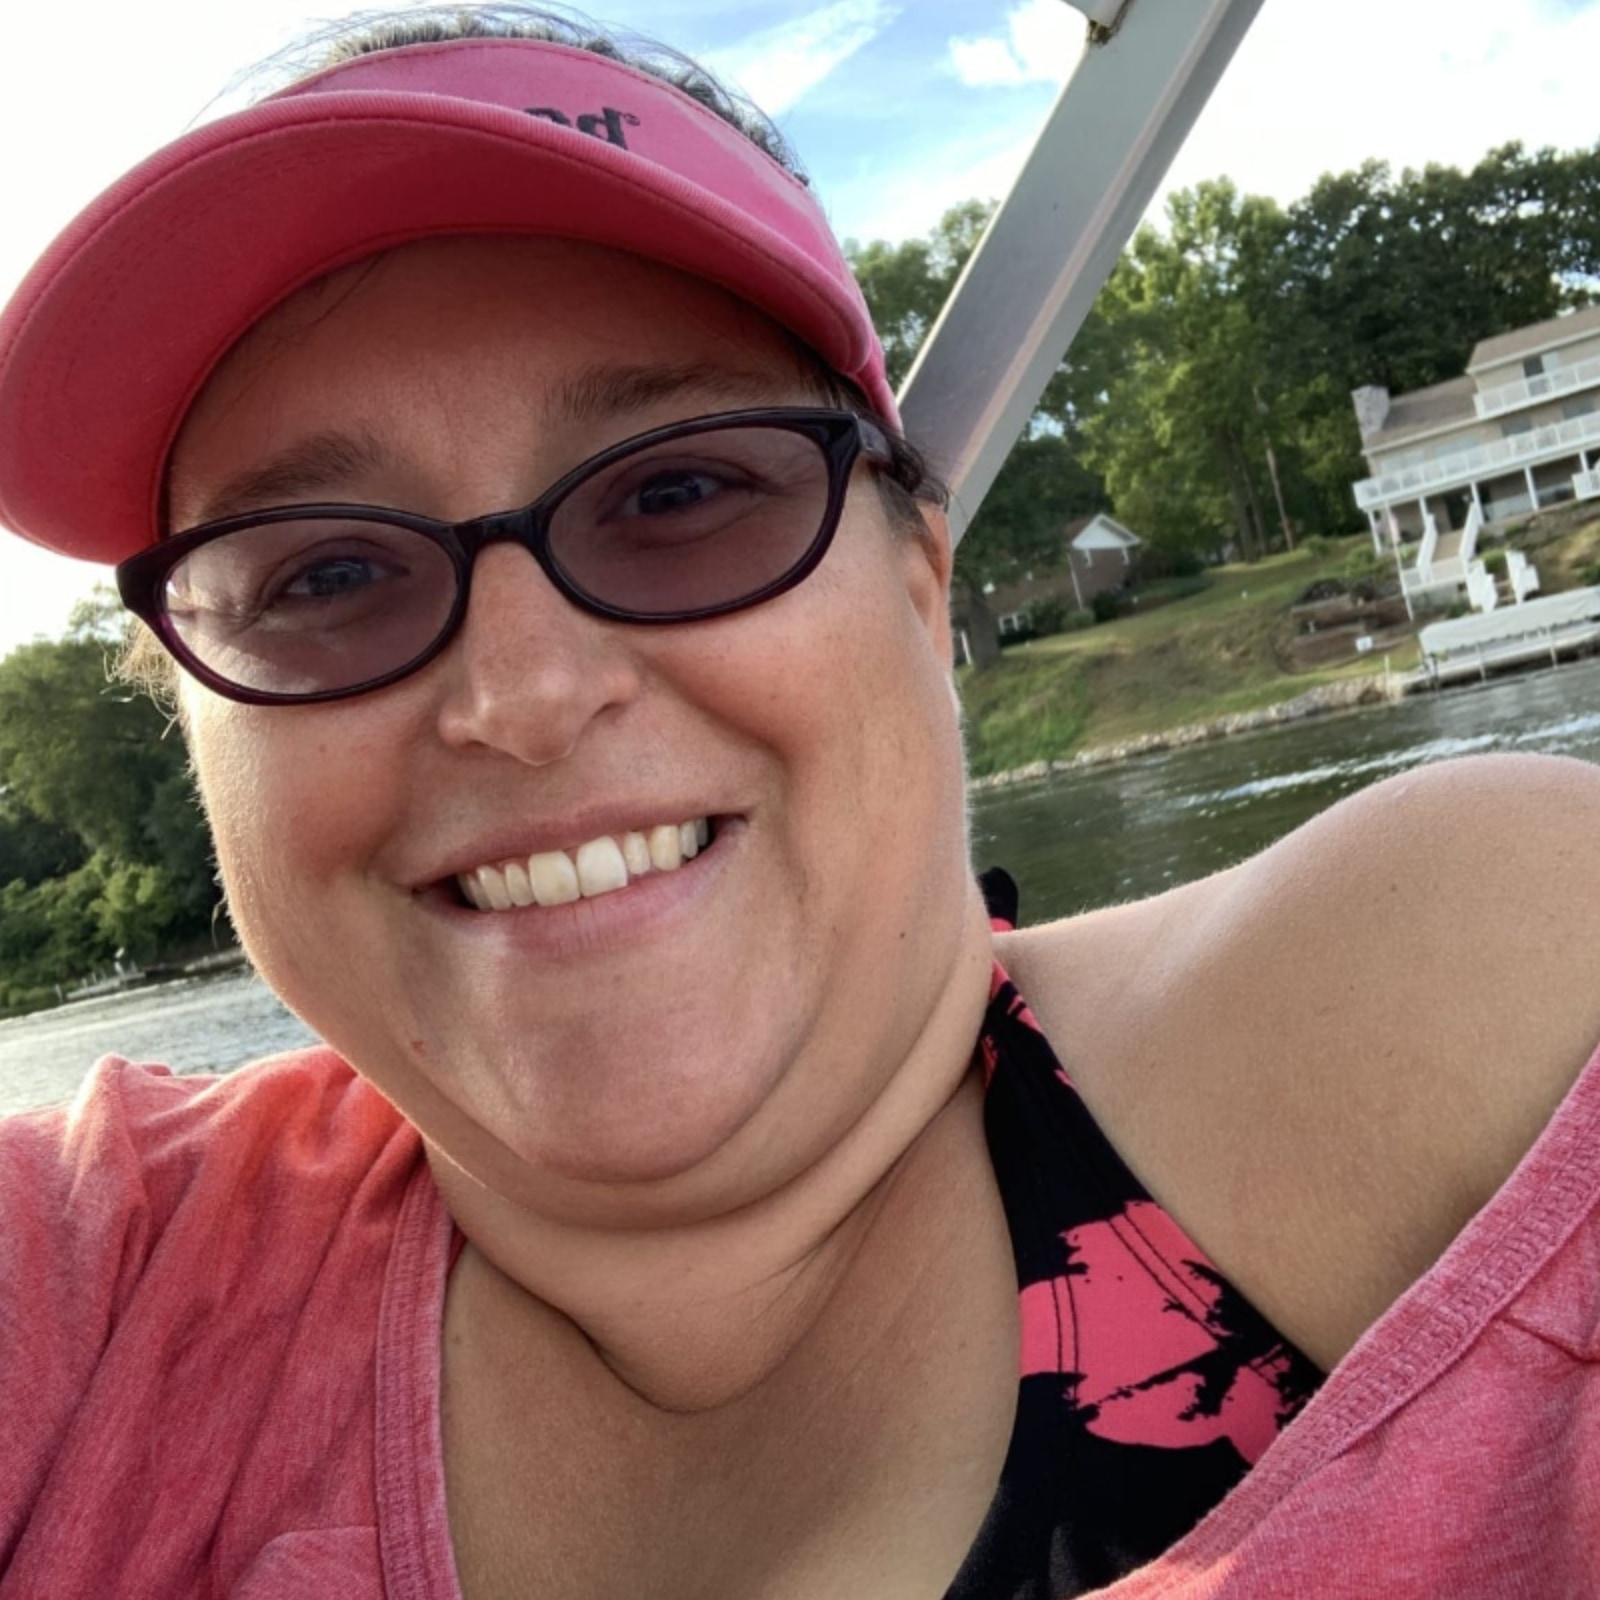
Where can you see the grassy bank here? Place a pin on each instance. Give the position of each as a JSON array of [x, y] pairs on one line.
[[1216, 654]]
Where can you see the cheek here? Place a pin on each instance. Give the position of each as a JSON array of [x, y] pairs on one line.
[[849, 688], [288, 801]]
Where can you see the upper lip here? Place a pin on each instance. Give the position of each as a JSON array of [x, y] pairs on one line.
[[524, 839]]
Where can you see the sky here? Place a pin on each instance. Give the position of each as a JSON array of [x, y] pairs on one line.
[[900, 108]]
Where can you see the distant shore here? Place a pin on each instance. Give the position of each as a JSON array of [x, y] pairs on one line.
[[1343, 695]]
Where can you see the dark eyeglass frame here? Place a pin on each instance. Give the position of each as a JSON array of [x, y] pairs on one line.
[[842, 437]]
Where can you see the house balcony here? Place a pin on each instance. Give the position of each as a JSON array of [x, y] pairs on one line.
[[1506, 397], [1462, 467]]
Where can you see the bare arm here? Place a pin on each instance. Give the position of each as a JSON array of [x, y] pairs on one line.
[[1325, 1060]]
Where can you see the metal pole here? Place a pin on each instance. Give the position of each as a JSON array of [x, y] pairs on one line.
[[1120, 120]]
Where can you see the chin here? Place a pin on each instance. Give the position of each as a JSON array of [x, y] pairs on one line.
[[612, 1117]]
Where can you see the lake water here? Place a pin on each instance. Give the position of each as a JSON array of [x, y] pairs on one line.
[[1114, 833], [1074, 841]]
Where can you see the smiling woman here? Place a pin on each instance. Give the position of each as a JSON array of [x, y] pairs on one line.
[[488, 428]]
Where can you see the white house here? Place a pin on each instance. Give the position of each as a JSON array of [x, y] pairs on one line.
[[1519, 431], [1099, 555]]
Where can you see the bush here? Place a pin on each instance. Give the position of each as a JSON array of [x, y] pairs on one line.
[[1322, 589], [1077, 621], [1047, 616], [1107, 605], [1187, 564], [1364, 565], [1318, 546], [1494, 561]]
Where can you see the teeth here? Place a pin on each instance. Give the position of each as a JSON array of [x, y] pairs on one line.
[[636, 854], [555, 879], [518, 884], [494, 889], [602, 866], [666, 848]]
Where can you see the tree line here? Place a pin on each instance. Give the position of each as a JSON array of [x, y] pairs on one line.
[[1207, 398], [1222, 353], [104, 856]]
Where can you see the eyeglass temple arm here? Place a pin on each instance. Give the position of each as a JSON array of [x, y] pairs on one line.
[[1148, 68]]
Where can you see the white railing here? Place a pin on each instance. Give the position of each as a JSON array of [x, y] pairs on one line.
[[1482, 461], [1469, 534], [1586, 485], [1483, 593], [1429, 547], [1506, 397], [1522, 575]]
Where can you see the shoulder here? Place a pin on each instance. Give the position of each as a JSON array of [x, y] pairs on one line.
[[101, 1180], [169, 1241], [1327, 1059]]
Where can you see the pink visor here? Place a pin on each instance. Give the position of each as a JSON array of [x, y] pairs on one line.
[[110, 337]]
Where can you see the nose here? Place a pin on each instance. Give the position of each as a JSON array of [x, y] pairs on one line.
[[529, 672]]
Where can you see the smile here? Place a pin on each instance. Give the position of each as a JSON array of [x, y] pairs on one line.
[[601, 866]]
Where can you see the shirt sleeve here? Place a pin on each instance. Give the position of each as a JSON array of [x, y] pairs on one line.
[[75, 1232]]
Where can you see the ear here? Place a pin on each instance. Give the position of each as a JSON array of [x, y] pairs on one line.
[[928, 562]]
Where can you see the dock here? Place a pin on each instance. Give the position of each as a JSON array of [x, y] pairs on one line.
[[1541, 630]]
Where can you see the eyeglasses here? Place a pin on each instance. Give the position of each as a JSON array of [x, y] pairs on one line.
[[317, 602]]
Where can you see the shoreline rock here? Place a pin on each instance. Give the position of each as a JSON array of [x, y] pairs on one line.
[[1344, 695]]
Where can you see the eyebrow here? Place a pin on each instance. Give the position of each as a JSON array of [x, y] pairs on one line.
[[322, 461], [315, 464], [603, 393]]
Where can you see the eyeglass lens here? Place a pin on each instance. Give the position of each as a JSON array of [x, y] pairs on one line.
[[317, 604]]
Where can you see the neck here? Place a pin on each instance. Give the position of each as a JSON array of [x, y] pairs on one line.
[[691, 1317]]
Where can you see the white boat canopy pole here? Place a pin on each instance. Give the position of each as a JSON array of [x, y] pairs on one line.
[[1148, 70]]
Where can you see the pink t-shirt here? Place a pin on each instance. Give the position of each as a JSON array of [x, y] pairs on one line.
[[220, 1310]]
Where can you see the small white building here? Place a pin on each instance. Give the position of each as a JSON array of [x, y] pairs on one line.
[[1097, 553], [1099, 557], [1518, 432]]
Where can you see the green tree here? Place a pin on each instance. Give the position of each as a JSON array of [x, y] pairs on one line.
[[75, 752], [32, 850], [138, 908], [102, 845], [1044, 483], [50, 935], [1167, 385], [906, 284]]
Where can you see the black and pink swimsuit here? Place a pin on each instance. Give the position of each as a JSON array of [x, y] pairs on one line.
[[1149, 1386]]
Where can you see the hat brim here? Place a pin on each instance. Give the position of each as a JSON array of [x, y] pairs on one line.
[[107, 344]]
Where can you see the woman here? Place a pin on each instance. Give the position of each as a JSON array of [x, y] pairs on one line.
[[492, 431]]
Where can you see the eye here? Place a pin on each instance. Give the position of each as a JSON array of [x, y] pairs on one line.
[[678, 489], [334, 577], [295, 572]]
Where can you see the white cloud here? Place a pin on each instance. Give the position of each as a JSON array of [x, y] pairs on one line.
[[1320, 88], [1042, 43], [900, 205], [779, 66]]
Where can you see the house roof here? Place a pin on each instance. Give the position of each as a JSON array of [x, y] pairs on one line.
[[1101, 532], [1423, 410], [1536, 336]]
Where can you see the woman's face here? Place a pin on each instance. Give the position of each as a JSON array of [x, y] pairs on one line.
[[704, 1033]]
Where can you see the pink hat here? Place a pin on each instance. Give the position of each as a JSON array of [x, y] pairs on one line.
[[108, 340]]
